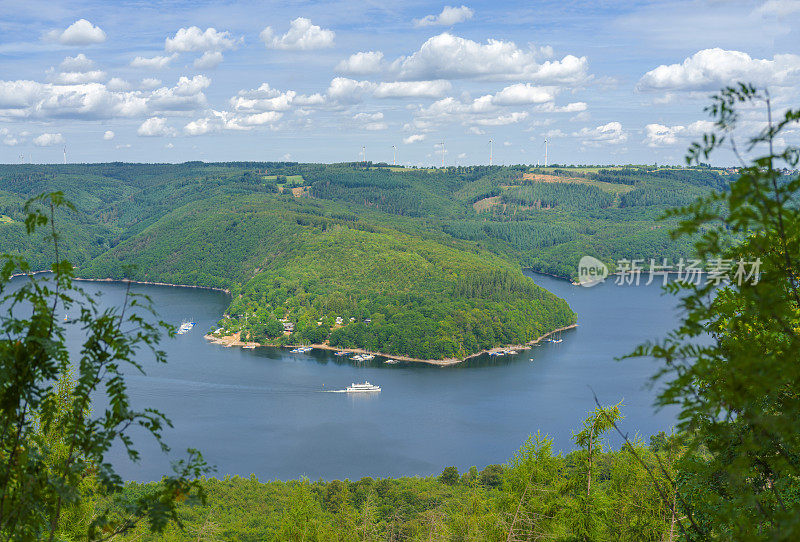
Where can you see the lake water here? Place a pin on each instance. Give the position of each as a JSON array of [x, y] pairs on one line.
[[265, 411]]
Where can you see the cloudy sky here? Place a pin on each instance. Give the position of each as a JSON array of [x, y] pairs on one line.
[[603, 81]]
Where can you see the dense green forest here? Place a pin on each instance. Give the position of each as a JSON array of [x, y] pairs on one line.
[[536, 493], [417, 262], [299, 261], [546, 225]]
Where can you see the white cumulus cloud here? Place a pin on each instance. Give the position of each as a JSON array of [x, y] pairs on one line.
[[660, 135], [77, 63], [711, 69], [155, 126], [150, 82], [302, 35], [76, 70], [572, 107], [608, 134], [78, 78], [446, 56], [193, 39], [414, 138], [449, 16], [362, 63], [116, 84], [108, 135], [412, 89], [657, 135], [81, 32], [524, 94], [347, 90], [209, 60], [157, 62], [266, 98], [48, 140]]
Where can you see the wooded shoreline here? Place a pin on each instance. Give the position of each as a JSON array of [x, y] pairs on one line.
[[233, 340]]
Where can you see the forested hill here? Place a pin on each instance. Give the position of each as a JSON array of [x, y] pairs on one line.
[[311, 263], [545, 219], [417, 262]]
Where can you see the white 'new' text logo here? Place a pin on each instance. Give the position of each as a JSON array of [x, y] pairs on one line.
[[591, 271]]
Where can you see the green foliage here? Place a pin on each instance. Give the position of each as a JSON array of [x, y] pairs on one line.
[[53, 442], [731, 366], [532, 496], [116, 202], [548, 195], [449, 476], [291, 261]]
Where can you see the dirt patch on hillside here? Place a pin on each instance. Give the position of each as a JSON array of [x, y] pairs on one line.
[[486, 203], [538, 177]]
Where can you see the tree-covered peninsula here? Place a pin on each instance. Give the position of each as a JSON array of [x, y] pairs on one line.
[[338, 279]]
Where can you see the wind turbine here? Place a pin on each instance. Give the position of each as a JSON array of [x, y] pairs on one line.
[[490, 151], [65, 154], [545, 152], [394, 155]]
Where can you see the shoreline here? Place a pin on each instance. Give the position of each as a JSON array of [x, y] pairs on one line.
[[229, 341], [150, 283], [233, 340]]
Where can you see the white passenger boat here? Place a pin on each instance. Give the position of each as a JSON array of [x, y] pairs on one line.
[[361, 388], [185, 328]]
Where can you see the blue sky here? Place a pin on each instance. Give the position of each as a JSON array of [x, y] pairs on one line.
[[604, 82]]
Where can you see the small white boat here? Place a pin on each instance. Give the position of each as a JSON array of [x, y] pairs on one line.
[[185, 328], [340, 353], [358, 357], [249, 346], [361, 388], [301, 350], [511, 352], [392, 361], [367, 357]]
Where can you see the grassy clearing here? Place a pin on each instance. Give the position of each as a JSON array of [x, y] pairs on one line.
[[485, 203], [611, 188]]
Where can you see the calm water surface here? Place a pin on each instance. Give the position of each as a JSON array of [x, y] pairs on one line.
[[265, 411]]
